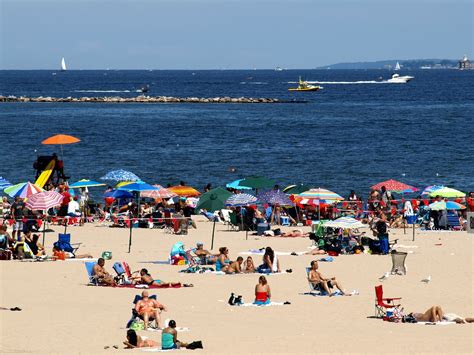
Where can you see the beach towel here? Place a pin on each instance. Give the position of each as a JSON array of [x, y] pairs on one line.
[[261, 305], [436, 323], [144, 286], [261, 252]]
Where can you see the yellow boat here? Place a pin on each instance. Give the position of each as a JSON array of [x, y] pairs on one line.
[[304, 86]]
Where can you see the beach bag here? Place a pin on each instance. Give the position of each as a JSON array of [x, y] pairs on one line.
[[5, 254], [195, 345], [235, 300], [107, 255], [137, 325], [409, 319]]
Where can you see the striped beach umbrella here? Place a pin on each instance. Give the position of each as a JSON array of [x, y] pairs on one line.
[[275, 197], [160, 192], [239, 200], [185, 191], [120, 175], [4, 183], [446, 205], [86, 183], [447, 192], [430, 189], [44, 200], [321, 194], [344, 222], [23, 190], [395, 186]]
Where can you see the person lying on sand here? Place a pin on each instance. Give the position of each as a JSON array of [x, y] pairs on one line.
[[68, 255], [295, 233], [101, 274], [327, 284], [249, 266], [149, 308], [146, 279], [137, 341], [235, 267], [436, 314]]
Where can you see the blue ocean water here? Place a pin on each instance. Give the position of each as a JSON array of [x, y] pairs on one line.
[[347, 136]]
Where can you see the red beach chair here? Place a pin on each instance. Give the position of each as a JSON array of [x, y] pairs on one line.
[[380, 305]]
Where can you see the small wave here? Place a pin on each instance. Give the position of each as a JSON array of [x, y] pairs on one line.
[[101, 90]]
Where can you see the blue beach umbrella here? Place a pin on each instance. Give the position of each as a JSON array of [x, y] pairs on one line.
[[4, 183], [120, 175], [86, 183], [138, 187], [240, 200], [235, 185], [119, 194]]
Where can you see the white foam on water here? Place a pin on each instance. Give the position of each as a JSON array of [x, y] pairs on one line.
[[101, 90]]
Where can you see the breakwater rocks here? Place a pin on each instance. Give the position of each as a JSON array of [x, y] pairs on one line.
[[150, 99]]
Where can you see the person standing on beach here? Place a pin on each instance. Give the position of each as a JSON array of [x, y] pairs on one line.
[[17, 213], [381, 229]]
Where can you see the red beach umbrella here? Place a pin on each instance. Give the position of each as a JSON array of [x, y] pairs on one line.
[[395, 186]]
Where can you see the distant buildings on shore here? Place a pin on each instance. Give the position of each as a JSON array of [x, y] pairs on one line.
[[465, 63]]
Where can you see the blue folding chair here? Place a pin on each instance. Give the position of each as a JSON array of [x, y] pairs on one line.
[[64, 243], [453, 221], [135, 316], [90, 272]]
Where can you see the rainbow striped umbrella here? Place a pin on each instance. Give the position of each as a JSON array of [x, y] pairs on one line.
[[321, 194], [430, 189], [446, 205], [23, 190], [4, 183], [44, 200], [447, 192]]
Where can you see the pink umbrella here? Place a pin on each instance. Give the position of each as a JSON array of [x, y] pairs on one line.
[[160, 193], [44, 200]]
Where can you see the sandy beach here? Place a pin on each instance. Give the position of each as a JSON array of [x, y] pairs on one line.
[[61, 314]]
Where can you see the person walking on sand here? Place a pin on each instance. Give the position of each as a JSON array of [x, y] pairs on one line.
[[262, 292], [149, 308], [326, 284]]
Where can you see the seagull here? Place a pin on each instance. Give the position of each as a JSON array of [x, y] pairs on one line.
[[385, 276], [427, 280]]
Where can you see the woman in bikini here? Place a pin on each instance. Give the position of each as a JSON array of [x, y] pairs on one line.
[[223, 261], [137, 341], [146, 279], [262, 292]]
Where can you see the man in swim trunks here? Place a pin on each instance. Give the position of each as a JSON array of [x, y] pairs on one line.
[[326, 284], [149, 308], [102, 275], [235, 267]]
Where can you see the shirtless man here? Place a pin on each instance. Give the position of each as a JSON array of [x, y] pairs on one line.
[[203, 254], [316, 278], [102, 275], [149, 308], [235, 267]]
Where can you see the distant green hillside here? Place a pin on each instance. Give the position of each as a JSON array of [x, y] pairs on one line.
[[411, 64]]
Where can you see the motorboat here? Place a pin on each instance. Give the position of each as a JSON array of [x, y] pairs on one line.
[[397, 79], [304, 86]]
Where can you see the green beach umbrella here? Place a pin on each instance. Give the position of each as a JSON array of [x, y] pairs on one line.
[[296, 189], [211, 201], [256, 182], [447, 192]]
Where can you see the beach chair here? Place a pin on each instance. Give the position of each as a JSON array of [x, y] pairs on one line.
[[233, 221], [93, 281], [226, 215], [64, 243], [382, 304], [138, 318], [453, 221], [398, 262], [124, 274], [315, 290]]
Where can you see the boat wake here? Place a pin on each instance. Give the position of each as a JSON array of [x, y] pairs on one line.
[[344, 82], [253, 83], [102, 90]]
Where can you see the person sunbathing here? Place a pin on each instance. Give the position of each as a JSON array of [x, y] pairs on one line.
[[436, 314], [235, 267], [326, 284], [262, 292], [146, 279], [101, 274], [137, 341], [58, 254], [149, 308], [295, 234], [249, 266], [271, 263], [33, 242], [204, 255], [222, 262], [169, 338]]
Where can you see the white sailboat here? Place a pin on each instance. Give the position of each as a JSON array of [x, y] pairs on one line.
[[63, 65], [397, 66]]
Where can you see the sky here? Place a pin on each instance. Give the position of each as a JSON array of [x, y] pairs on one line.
[[229, 34]]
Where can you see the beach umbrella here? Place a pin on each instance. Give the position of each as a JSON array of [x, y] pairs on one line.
[[118, 194], [395, 186], [184, 191], [212, 201], [23, 190], [4, 183], [235, 185], [160, 192], [240, 200], [44, 200], [295, 189], [431, 188], [138, 187], [446, 205], [60, 139], [275, 197], [120, 175], [256, 182], [86, 183], [344, 222], [321, 194], [447, 192]]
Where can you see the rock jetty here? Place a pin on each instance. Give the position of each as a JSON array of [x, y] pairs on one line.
[[149, 99]]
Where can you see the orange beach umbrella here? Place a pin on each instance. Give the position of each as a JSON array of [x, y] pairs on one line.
[[61, 139], [186, 191]]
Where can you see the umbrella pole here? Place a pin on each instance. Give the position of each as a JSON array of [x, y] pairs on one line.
[[44, 229], [65, 224], [413, 230], [213, 230], [130, 237]]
